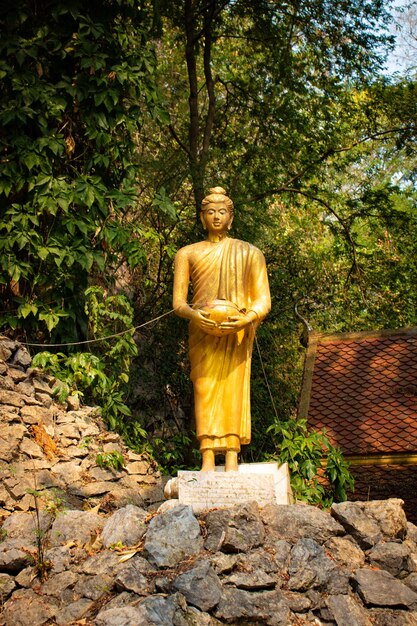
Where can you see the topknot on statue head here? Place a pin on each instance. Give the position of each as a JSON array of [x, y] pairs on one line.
[[217, 194]]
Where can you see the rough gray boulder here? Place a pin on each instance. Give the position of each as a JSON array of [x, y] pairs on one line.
[[294, 521], [126, 526], [268, 607], [200, 586], [363, 528], [380, 588], [346, 611], [395, 558], [172, 536]]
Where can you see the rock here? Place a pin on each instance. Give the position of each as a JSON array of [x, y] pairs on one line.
[[190, 616], [363, 528], [27, 608], [297, 602], [17, 374], [411, 581], [200, 585], [75, 452], [101, 474], [73, 403], [26, 526], [173, 536], [74, 612], [126, 526], [244, 530], [120, 497], [7, 584], [260, 560], [94, 587], [9, 414], [12, 558], [40, 385], [37, 414], [26, 577], [67, 472], [252, 580], [70, 431], [7, 382], [345, 553], [310, 567], [223, 563], [389, 515], [281, 550], [25, 389], [19, 486], [124, 616], [22, 358], [137, 467], [157, 610], [6, 348], [378, 587], [10, 397], [412, 532], [216, 522], [294, 521], [30, 448], [347, 612], [389, 617], [76, 526], [395, 558], [92, 489], [132, 577], [57, 583], [101, 563], [60, 558], [267, 607], [44, 399]]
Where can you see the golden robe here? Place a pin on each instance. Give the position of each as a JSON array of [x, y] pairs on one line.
[[220, 366]]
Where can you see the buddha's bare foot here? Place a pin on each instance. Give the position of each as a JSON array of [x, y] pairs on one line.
[[208, 464], [231, 461]]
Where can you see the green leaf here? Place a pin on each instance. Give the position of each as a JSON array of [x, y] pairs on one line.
[[26, 309], [43, 252], [51, 320]]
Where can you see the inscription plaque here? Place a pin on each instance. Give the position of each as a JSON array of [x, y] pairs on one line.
[[264, 483]]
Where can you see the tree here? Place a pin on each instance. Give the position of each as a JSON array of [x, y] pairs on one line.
[[76, 88]]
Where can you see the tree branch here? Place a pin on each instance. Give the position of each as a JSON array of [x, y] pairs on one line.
[[208, 40], [327, 206], [178, 140]]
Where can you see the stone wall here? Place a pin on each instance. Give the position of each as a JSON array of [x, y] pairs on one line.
[[110, 560], [285, 565], [53, 448]]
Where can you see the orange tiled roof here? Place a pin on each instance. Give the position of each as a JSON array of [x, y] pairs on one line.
[[362, 387]]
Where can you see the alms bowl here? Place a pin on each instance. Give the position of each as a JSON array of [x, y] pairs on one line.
[[219, 311]]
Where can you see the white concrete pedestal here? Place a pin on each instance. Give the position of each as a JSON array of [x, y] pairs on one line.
[[264, 483]]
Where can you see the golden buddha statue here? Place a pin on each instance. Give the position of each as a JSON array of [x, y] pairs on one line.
[[230, 299]]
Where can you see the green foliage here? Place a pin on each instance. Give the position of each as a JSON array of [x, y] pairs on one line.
[[110, 460], [41, 564], [174, 454], [307, 453], [75, 91], [53, 500], [101, 378]]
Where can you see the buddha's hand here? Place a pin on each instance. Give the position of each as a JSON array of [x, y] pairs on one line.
[[235, 323], [202, 320]]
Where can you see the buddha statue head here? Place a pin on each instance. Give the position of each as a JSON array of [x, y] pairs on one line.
[[217, 211]]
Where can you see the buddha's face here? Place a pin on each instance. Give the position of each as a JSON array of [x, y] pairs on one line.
[[216, 217]]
